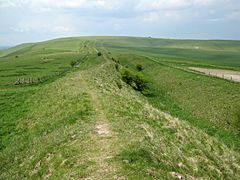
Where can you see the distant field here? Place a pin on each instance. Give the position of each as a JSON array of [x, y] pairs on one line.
[[120, 108], [218, 53], [31, 61]]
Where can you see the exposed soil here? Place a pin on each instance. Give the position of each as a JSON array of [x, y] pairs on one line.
[[102, 129], [221, 73]]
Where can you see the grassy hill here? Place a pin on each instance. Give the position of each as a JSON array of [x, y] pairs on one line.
[[67, 111]]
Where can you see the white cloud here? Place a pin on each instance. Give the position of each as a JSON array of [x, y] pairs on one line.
[[61, 4], [206, 2], [179, 4], [46, 18], [151, 17], [162, 4], [61, 29], [167, 16], [46, 24], [103, 5], [235, 15], [157, 11], [7, 3], [117, 26]]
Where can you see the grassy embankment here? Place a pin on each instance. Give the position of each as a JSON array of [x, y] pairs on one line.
[[90, 124]]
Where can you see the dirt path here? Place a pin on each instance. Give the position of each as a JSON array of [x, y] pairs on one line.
[[103, 138], [221, 73], [101, 133]]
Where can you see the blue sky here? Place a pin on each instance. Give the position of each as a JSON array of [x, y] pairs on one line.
[[37, 20]]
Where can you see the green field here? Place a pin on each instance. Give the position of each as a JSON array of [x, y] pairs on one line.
[[68, 112]]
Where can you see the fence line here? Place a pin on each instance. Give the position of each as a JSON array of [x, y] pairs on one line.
[[37, 80]]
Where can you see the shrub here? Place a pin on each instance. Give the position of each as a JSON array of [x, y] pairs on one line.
[[73, 63], [140, 82], [117, 67], [137, 81], [127, 77], [139, 67], [99, 53]]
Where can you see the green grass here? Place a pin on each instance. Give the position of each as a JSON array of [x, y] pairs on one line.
[[185, 123], [150, 144], [14, 107], [46, 136], [218, 53], [208, 103], [38, 61]]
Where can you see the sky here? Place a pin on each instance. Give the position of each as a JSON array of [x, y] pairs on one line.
[[37, 20]]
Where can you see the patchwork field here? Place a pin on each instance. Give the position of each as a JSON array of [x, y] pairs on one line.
[[120, 108]]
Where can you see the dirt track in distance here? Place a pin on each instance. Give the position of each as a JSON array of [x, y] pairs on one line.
[[225, 74]]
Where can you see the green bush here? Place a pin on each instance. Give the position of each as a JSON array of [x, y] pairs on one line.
[[99, 54], [137, 81], [117, 66], [139, 67], [140, 82], [127, 77], [73, 63]]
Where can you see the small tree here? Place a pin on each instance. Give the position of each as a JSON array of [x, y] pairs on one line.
[[99, 54], [137, 81]]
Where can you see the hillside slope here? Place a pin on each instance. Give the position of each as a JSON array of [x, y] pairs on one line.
[[89, 124]]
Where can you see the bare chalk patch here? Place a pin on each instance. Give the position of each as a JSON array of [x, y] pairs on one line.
[[102, 129], [176, 175]]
